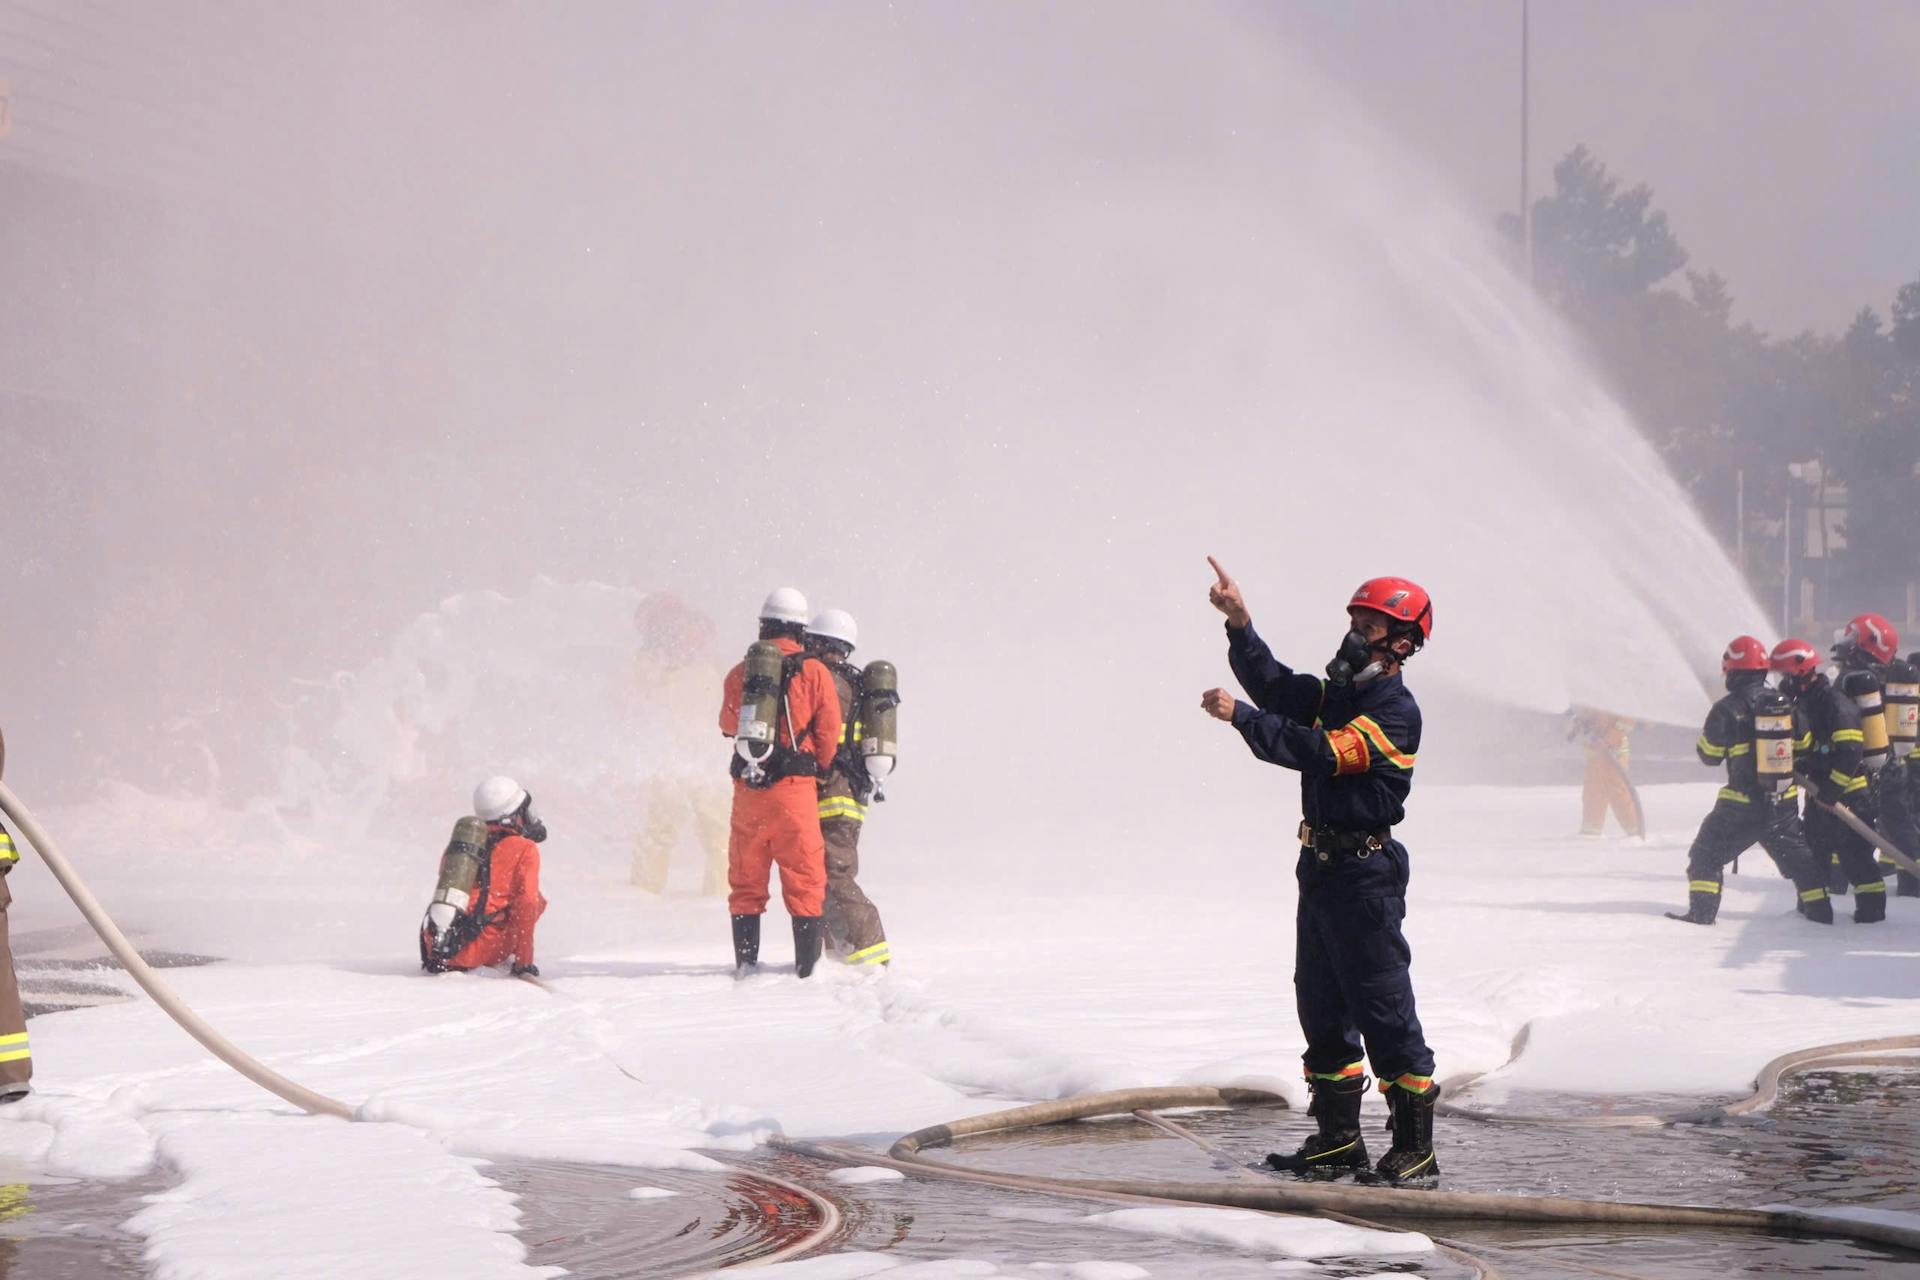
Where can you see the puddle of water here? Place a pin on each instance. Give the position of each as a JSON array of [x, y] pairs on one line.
[[59, 1229]]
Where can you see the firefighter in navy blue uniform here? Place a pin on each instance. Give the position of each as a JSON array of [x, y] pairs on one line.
[[1755, 732], [1900, 798], [1353, 738], [1832, 770], [1863, 649]]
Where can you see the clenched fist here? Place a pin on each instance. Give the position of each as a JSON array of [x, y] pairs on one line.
[[1217, 703]]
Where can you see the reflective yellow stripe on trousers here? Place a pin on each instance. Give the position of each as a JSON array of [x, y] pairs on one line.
[[7, 852], [14, 1047], [842, 807], [878, 953]]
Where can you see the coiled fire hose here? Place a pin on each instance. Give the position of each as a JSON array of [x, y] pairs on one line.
[[266, 1077], [1385, 1204]]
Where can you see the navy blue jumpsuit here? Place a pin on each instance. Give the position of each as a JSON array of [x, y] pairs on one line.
[[1354, 749]]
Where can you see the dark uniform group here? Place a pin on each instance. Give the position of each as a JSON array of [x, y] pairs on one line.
[[1850, 742]]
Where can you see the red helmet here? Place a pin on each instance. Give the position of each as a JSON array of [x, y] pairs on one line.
[[1744, 654], [1795, 658], [1874, 634], [1399, 599]]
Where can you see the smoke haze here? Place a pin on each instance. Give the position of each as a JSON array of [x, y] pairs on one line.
[[985, 324]]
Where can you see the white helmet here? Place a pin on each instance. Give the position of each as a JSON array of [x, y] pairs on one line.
[[786, 604], [498, 798], [835, 624]]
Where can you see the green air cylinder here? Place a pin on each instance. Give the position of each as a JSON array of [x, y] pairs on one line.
[[880, 718], [760, 702], [1773, 740], [459, 871], [1903, 708]]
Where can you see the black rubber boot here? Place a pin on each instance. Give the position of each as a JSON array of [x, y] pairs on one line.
[[1702, 907], [1820, 909], [1410, 1118], [806, 944], [1338, 1148], [1869, 904], [1907, 885], [1837, 886], [746, 945]]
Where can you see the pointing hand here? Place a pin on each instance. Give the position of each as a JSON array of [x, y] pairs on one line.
[[1225, 596]]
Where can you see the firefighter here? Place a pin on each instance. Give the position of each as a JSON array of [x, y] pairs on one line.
[[776, 806], [674, 669], [1606, 784], [16, 1059], [498, 926], [1871, 673], [1755, 733], [851, 921], [1832, 770], [1353, 738], [1900, 804]]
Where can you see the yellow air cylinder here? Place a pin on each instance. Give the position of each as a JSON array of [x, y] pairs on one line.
[[1903, 709], [1773, 741], [1873, 728]]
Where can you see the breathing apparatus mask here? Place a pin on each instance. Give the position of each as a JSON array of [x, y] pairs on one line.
[[1360, 660], [529, 822]]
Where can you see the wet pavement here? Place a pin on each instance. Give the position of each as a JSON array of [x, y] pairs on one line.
[[1835, 1139]]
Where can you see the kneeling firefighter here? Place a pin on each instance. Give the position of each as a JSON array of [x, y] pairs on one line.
[[780, 709], [1833, 773], [488, 897], [868, 747], [1753, 731], [1353, 738]]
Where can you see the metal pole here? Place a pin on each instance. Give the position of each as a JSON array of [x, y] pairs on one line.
[[1786, 565], [1740, 519], [1526, 201]]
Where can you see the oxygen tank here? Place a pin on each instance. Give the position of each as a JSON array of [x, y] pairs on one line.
[[1903, 708], [459, 871], [880, 718], [1873, 728], [1773, 740], [754, 740]]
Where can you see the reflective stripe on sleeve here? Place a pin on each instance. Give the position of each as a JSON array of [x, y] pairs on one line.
[[1849, 735], [1378, 736], [1706, 748], [1738, 797]]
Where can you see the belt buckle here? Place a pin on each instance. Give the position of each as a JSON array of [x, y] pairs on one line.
[[1367, 847]]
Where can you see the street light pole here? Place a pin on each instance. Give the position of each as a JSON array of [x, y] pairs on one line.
[[1526, 200]]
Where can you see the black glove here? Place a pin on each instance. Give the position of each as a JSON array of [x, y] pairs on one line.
[[526, 971]]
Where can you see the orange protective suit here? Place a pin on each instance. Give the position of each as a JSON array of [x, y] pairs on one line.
[[514, 903], [781, 823], [1605, 786]]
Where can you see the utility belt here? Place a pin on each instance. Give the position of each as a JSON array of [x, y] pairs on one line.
[[1329, 841], [785, 762]]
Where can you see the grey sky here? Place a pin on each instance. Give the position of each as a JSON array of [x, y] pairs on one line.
[[1782, 138]]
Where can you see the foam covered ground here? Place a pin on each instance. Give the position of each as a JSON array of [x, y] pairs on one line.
[[1008, 987]]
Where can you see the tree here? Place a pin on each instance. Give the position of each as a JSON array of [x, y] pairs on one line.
[[1594, 243]]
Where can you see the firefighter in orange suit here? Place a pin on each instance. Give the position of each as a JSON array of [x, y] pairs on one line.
[[16, 1061], [1606, 786], [507, 900], [776, 807]]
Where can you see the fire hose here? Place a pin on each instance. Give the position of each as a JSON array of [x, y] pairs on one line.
[[258, 1072]]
